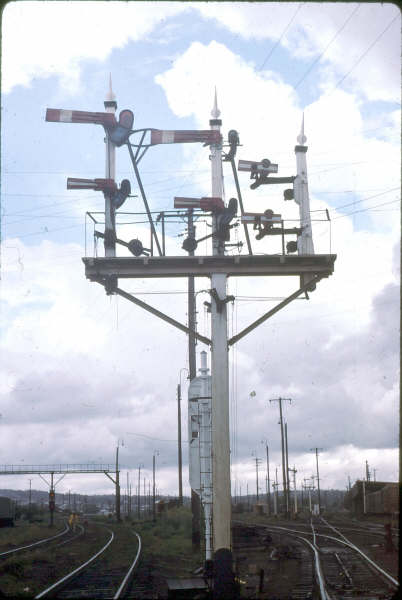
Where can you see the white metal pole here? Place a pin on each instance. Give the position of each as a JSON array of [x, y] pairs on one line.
[[220, 377], [110, 173], [305, 241]]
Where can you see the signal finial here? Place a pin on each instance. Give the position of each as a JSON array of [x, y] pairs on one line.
[[110, 95], [301, 138], [215, 111]]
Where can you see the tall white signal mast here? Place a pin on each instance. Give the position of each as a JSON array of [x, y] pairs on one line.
[[220, 378]]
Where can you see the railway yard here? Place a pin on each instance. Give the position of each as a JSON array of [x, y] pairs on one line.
[[314, 557]]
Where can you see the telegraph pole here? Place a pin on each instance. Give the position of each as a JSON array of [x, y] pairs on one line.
[[139, 492], [153, 488], [294, 471], [179, 444], [117, 484], [30, 492], [257, 462], [284, 478], [316, 450], [269, 485], [287, 467], [220, 369]]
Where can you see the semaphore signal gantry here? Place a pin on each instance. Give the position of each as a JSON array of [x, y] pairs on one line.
[[297, 258]]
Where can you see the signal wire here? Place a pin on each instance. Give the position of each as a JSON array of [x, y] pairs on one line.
[[281, 36], [365, 52], [326, 48]]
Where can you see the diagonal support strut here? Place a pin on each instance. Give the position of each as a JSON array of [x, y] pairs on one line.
[[274, 310], [161, 315]]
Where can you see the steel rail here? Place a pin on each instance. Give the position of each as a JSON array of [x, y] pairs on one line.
[[321, 580], [347, 542], [36, 543], [72, 538], [125, 580], [389, 577], [77, 570]]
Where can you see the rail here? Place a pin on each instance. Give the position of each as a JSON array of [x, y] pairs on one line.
[[347, 542], [77, 570], [387, 576], [125, 580], [320, 577], [36, 543]]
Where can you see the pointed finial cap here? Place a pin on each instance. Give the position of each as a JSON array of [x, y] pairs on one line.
[[110, 97], [301, 138], [215, 113]]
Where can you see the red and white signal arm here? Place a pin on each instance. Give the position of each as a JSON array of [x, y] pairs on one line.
[[98, 185], [250, 218], [212, 204], [177, 136], [59, 115]]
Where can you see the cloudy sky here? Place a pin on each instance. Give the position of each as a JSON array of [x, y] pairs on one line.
[[82, 372]]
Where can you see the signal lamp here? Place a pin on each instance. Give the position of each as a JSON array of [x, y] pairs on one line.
[[291, 247], [189, 244], [136, 247]]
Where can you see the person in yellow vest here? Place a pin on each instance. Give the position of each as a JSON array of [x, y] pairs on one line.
[[72, 521]]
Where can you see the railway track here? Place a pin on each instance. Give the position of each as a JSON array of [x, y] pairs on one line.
[[103, 576], [326, 564], [48, 540]]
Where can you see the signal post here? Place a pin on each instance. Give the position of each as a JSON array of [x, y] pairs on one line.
[[308, 267]]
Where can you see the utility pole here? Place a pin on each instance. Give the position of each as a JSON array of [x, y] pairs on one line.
[[294, 471], [30, 492], [153, 488], [139, 492], [117, 485], [257, 462], [375, 471], [284, 478], [316, 450], [269, 485], [287, 467], [179, 444], [275, 486]]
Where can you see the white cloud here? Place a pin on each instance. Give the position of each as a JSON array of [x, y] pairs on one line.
[[313, 28], [57, 38]]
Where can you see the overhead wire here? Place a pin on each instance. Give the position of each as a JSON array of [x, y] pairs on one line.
[[366, 51], [315, 61], [281, 36], [365, 209]]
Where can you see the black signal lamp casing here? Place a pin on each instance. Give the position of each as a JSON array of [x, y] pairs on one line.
[[136, 247], [189, 244], [291, 247]]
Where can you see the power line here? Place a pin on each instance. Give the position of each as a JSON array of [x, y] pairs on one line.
[[281, 36], [365, 199], [365, 209], [366, 51], [326, 47]]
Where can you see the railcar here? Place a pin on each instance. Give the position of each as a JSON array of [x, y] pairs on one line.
[[7, 512]]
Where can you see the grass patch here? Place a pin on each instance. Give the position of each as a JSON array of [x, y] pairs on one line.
[[168, 540]]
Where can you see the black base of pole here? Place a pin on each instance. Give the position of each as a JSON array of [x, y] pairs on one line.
[[224, 582]]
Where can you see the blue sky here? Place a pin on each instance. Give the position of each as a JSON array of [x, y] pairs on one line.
[[81, 366]]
